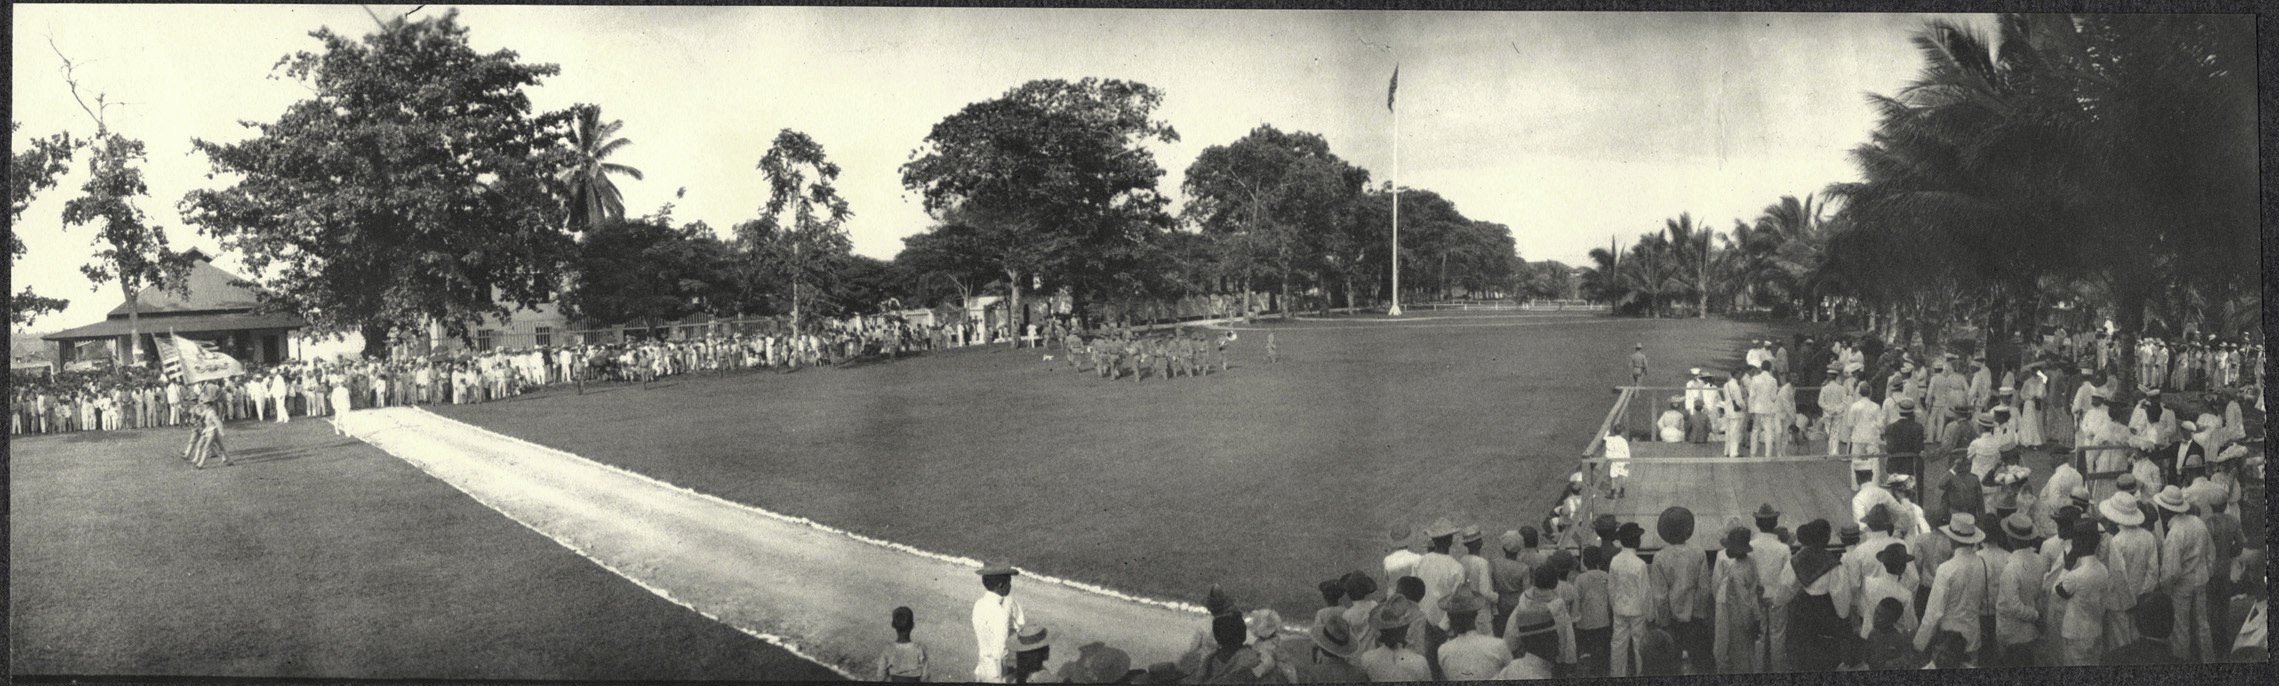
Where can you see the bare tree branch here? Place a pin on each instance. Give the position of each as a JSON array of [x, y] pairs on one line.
[[71, 79]]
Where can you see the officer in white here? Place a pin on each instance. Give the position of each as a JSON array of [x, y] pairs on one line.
[[996, 616]]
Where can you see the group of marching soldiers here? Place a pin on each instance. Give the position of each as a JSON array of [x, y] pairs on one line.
[[1181, 353]]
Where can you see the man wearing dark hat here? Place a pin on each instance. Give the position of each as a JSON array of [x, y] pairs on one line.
[[1544, 599], [1470, 654], [1904, 440], [1509, 575], [1032, 647], [1335, 650], [2018, 593], [1816, 629], [1442, 575], [1359, 617], [1478, 573], [1860, 564], [1535, 633], [1776, 580], [1630, 592], [1960, 492], [2084, 586], [1392, 659], [1637, 364], [996, 616], [1680, 574]]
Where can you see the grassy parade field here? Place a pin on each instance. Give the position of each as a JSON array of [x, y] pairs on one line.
[[317, 556], [1264, 479]]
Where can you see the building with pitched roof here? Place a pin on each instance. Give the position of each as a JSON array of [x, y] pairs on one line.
[[214, 308]]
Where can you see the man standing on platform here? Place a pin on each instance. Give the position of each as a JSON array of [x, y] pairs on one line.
[[1903, 439], [1736, 407], [1835, 403], [1764, 407]]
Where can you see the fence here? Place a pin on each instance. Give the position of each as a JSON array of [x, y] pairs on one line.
[[1509, 306]]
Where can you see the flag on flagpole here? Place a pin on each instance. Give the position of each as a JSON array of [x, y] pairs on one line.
[[196, 361], [1393, 88]]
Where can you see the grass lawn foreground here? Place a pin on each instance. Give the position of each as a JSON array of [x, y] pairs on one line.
[[1265, 479], [318, 556]]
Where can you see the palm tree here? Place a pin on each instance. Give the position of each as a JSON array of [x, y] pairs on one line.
[[1692, 248], [593, 198], [1800, 237], [1651, 269]]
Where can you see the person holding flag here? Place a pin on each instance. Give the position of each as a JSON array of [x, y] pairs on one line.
[[192, 362]]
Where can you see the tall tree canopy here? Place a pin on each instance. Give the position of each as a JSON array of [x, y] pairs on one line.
[[34, 168], [2116, 150], [411, 187], [800, 240], [647, 271], [1056, 174], [1274, 200]]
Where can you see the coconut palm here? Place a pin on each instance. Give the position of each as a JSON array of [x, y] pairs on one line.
[[1693, 251], [593, 197]]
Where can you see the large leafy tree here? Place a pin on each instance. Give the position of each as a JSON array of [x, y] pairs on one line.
[[800, 239], [646, 272], [593, 198], [1273, 199], [1054, 175], [33, 169], [413, 186]]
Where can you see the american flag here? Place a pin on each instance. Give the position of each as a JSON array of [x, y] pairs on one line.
[[191, 361], [169, 359]]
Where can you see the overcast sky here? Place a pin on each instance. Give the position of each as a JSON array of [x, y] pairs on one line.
[[1569, 127]]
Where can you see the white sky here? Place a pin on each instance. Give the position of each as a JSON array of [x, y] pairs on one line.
[[1569, 127]]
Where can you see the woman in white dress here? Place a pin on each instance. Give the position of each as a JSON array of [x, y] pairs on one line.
[[2030, 399]]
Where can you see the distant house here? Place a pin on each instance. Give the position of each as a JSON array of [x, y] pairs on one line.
[[213, 309]]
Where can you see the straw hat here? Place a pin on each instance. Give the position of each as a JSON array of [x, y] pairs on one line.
[[2121, 509], [1963, 528], [1032, 638], [2172, 499]]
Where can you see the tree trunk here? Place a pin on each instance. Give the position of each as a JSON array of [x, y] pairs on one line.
[[1349, 291], [376, 339], [134, 324], [1013, 308], [1287, 309]]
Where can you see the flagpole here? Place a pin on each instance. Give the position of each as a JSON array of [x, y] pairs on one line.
[[1392, 104]]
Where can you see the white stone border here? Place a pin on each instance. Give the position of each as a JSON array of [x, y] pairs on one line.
[[953, 559]]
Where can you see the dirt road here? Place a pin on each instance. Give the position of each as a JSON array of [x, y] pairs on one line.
[[822, 593]]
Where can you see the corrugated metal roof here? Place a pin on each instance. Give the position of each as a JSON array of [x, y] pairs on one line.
[[211, 290], [187, 323]]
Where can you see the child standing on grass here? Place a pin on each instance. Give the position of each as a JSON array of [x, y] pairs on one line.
[[1272, 354], [904, 660]]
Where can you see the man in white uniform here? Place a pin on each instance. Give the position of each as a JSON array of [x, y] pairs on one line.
[[995, 617]]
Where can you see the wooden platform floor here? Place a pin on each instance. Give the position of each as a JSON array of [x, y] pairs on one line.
[[1717, 489]]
